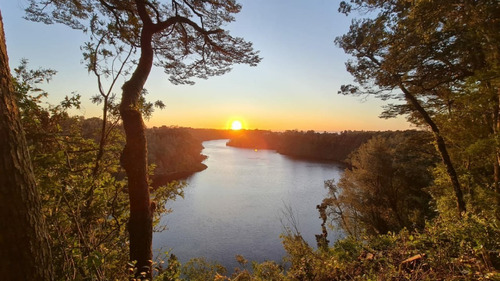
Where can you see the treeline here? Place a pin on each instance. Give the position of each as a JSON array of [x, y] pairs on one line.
[[210, 134], [305, 145], [322, 146], [175, 152], [256, 139]]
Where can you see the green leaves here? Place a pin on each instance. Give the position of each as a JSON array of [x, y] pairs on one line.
[[446, 249], [384, 190], [85, 208], [425, 46]]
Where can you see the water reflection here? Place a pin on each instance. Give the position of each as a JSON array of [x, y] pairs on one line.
[[235, 205]]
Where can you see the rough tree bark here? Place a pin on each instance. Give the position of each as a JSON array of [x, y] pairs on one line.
[[24, 247], [495, 130], [497, 153]]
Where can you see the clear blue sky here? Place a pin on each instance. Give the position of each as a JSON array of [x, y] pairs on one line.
[[294, 87]]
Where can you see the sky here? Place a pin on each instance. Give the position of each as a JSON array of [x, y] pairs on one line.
[[293, 88]]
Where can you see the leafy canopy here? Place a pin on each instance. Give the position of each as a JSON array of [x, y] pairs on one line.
[[428, 48], [188, 38]]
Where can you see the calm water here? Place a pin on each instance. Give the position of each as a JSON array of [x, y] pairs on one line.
[[235, 205]]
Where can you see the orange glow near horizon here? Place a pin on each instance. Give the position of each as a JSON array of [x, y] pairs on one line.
[[273, 121], [236, 125]]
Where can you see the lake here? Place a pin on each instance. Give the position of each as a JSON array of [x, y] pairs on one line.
[[237, 204]]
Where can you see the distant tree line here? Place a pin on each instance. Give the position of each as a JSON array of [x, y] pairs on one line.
[[256, 139], [305, 145], [322, 146], [210, 134], [175, 152]]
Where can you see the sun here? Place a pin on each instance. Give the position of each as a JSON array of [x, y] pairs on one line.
[[236, 125]]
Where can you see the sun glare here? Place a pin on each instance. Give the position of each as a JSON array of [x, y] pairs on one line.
[[236, 125]]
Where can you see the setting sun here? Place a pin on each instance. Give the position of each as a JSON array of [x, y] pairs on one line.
[[236, 125]]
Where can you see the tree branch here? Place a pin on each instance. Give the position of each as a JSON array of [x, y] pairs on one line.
[[143, 13], [179, 19], [195, 12]]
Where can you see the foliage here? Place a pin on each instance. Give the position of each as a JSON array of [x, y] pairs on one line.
[[199, 269], [385, 188], [185, 38], [304, 145], [469, 128], [423, 53], [438, 60], [441, 61], [172, 272], [255, 139], [446, 249], [467, 249], [86, 211], [25, 251], [268, 270], [426, 47], [174, 151], [325, 146], [211, 134]]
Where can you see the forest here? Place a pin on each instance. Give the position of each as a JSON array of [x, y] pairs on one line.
[[77, 195], [305, 145]]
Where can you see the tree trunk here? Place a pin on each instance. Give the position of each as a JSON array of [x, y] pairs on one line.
[[102, 139], [496, 162], [134, 161], [492, 49], [24, 247], [441, 146]]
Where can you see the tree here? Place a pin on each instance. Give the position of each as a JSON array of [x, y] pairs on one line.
[[385, 189], [97, 59], [24, 242], [186, 39], [85, 209], [421, 52]]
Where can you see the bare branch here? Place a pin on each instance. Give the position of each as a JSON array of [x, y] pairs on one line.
[[179, 19], [115, 78], [195, 12]]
